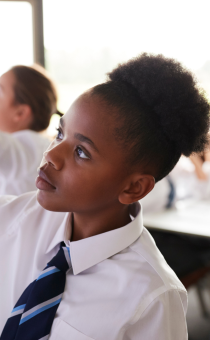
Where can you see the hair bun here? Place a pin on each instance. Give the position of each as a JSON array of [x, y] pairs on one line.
[[171, 92]]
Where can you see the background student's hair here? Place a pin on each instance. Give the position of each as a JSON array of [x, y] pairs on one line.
[[34, 88], [161, 112]]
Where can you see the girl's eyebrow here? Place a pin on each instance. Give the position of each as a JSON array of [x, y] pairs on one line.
[[85, 139]]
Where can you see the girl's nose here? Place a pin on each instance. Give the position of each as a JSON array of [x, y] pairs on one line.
[[54, 157]]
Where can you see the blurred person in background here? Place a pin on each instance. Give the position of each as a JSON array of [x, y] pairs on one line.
[[190, 179], [28, 99]]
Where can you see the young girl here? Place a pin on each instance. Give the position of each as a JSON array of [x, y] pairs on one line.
[[103, 275], [27, 100]]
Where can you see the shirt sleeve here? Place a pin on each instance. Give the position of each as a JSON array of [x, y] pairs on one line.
[[163, 319]]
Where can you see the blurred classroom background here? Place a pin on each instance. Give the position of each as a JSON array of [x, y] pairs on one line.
[[78, 42]]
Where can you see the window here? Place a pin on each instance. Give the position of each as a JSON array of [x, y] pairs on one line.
[[16, 39], [85, 39]]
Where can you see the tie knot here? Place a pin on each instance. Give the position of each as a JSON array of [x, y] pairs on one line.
[[62, 260]]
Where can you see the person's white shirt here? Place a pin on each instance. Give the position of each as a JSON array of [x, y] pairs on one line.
[[187, 184], [20, 156], [119, 288]]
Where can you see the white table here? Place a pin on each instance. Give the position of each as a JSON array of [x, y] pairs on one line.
[[188, 217]]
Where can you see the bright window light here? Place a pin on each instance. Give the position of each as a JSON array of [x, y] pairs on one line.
[[86, 39], [16, 39]]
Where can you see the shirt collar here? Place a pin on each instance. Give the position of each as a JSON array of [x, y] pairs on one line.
[[88, 252], [61, 234]]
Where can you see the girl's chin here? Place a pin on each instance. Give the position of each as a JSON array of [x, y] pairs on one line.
[[47, 201], [44, 200]]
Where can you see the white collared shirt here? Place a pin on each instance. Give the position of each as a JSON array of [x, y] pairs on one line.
[[119, 288], [20, 155]]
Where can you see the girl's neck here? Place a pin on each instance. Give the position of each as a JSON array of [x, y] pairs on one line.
[[87, 225]]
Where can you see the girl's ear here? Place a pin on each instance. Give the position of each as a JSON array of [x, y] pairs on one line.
[[137, 187]]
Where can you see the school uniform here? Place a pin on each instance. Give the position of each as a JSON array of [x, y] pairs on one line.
[[119, 286], [20, 155]]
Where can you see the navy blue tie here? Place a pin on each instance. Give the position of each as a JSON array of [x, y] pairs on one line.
[[33, 314]]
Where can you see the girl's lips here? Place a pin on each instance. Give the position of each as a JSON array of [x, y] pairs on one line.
[[42, 184]]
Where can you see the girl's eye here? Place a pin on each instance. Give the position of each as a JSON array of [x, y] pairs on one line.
[[81, 153], [59, 134]]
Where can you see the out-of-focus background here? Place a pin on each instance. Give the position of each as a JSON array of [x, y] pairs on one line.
[[83, 40], [79, 41]]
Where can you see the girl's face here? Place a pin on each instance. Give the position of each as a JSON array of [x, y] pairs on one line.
[[7, 103], [83, 170]]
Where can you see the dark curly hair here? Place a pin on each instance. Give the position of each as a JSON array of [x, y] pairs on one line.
[[161, 111]]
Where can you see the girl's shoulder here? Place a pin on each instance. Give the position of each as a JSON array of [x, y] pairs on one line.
[[154, 265]]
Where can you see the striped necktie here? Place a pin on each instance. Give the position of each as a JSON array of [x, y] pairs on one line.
[[33, 314]]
